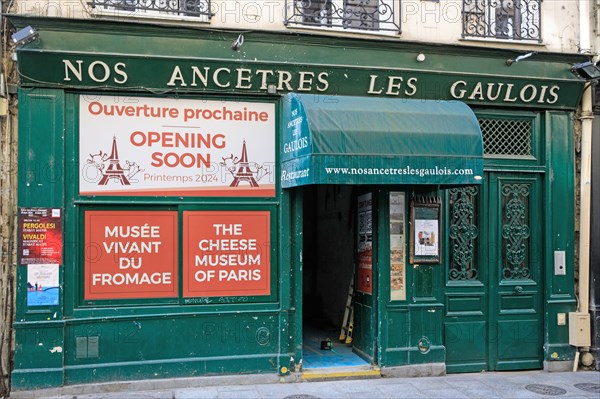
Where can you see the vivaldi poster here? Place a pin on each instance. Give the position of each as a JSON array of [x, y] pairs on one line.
[[40, 236]]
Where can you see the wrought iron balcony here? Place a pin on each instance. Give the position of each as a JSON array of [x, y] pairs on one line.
[[502, 19], [187, 8], [370, 15]]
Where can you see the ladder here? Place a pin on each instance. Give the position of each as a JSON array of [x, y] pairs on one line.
[[348, 323]]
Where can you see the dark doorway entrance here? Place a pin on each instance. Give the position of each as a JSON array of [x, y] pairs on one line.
[[329, 232]]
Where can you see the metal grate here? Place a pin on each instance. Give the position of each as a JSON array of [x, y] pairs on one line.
[[365, 15], [502, 19], [507, 137], [187, 8], [544, 389]]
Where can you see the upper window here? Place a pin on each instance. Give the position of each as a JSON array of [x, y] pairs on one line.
[[364, 15], [197, 9], [502, 19]]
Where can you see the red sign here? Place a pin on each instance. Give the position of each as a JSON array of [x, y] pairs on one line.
[[226, 253], [365, 271], [40, 236], [130, 254]]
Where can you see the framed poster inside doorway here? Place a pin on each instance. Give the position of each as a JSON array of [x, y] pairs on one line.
[[425, 243]]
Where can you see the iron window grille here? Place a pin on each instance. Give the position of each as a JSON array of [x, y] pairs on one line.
[[156, 8], [507, 137], [363, 15], [502, 19]]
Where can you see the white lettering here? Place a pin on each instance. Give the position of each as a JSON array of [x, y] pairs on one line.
[[75, 70], [176, 76]]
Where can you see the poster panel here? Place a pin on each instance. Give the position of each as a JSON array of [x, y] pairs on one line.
[[130, 254], [397, 245], [365, 245], [42, 284], [40, 236], [425, 244], [226, 253], [175, 147]]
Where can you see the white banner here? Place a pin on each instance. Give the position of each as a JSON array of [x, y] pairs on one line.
[[174, 147]]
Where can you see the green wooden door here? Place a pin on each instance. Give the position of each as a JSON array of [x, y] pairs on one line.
[[515, 260], [493, 317], [467, 294]]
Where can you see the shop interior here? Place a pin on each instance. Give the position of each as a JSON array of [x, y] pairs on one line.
[[330, 213]]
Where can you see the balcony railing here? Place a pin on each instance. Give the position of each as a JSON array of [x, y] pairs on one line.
[[502, 19], [368, 15], [155, 8]]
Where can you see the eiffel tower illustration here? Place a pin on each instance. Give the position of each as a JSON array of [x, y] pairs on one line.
[[244, 173], [114, 170]]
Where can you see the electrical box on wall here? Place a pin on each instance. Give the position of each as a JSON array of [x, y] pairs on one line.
[[579, 329]]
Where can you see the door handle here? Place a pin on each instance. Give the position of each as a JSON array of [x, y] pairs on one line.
[[518, 289]]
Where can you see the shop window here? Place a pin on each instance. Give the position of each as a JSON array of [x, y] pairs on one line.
[[196, 9], [507, 137], [463, 233], [361, 15], [502, 19]]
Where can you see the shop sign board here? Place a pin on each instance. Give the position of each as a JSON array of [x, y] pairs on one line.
[[558, 89], [40, 236], [365, 244], [175, 147], [226, 253], [130, 254]]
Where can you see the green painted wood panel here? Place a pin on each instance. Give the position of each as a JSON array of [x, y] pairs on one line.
[[560, 211], [39, 351]]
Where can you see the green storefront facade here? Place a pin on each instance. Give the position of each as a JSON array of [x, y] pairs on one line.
[[210, 203]]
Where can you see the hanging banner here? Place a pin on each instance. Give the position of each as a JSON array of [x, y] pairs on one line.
[[175, 147], [130, 254], [226, 253], [42, 285], [40, 236], [365, 245]]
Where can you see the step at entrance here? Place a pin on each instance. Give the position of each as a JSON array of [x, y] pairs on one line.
[[340, 373]]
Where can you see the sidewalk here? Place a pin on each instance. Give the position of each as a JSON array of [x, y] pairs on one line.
[[522, 384]]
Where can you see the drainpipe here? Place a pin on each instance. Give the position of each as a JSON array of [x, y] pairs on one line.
[[595, 237], [587, 117], [595, 220]]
